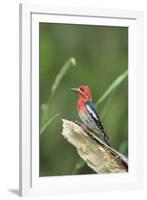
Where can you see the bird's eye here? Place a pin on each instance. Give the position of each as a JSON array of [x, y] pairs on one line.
[[81, 89]]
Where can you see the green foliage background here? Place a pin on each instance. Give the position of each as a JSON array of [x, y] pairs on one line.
[[101, 54]]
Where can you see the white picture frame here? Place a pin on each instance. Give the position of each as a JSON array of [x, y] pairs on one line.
[[30, 182]]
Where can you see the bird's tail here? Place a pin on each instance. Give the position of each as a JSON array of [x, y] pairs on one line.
[[102, 135]]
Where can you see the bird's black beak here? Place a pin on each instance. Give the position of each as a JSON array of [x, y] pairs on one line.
[[76, 90]]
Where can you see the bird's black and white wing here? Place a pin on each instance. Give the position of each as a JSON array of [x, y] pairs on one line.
[[94, 114]]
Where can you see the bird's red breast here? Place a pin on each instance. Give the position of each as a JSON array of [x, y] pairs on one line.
[[84, 97]]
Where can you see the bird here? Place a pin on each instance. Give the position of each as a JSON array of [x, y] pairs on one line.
[[88, 112]]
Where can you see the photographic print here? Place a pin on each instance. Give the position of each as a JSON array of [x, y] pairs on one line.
[[81, 81], [83, 99]]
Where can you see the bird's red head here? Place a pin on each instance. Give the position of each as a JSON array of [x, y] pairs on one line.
[[85, 91], [84, 94]]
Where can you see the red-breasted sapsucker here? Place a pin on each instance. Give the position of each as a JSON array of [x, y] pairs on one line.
[[88, 113]]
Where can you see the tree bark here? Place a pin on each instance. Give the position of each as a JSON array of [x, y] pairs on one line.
[[98, 156]]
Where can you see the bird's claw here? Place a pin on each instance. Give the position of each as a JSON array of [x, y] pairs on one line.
[[79, 123]]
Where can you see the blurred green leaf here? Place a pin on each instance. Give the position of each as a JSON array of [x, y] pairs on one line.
[[45, 125], [107, 104], [44, 107], [43, 113], [112, 87], [61, 74], [82, 168]]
